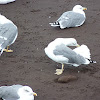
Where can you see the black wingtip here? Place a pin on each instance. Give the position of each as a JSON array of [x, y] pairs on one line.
[[56, 23], [92, 61]]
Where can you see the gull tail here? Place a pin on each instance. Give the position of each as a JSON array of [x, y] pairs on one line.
[[55, 24]]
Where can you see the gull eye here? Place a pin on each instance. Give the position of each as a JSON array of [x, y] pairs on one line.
[[74, 43], [26, 90]]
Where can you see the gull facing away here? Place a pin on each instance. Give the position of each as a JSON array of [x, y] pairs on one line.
[[73, 18], [59, 51], [8, 33], [17, 92], [6, 1]]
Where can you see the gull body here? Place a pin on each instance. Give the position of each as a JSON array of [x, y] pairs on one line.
[[73, 18], [59, 52], [8, 33], [16, 92]]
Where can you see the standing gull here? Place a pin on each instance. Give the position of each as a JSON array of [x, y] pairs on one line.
[[59, 51], [8, 33], [16, 92], [73, 18], [6, 1]]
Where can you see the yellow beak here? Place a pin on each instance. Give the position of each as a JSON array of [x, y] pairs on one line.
[[84, 8], [78, 45], [34, 94]]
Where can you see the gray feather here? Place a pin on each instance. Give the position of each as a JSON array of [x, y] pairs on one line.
[[9, 33], [70, 54], [9, 92], [71, 19]]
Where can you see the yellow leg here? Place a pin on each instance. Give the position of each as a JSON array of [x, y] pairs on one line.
[[7, 50], [60, 71]]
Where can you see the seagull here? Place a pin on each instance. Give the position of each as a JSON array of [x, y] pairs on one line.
[[8, 34], [6, 1], [16, 92], [59, 52], [73, 18]]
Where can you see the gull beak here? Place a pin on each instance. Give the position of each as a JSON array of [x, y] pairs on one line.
[[78, 45], [84, 8], [34, 94]]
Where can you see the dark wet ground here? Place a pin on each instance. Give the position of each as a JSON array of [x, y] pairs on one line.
[[28, 64]]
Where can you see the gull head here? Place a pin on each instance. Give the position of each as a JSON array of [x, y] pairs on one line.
[[26, 93], [72, 42], [79, 9], [66, 41]]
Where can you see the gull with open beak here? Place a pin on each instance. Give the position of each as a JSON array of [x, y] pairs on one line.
[[59, 51], [73, 18]]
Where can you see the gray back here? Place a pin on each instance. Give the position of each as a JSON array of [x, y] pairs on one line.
[[70, 54], [9, 92], [74, 19]]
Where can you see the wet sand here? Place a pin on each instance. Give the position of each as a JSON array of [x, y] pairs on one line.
[[28, 64]]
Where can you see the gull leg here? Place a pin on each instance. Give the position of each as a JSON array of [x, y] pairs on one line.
[[7, 50], [60, 71]]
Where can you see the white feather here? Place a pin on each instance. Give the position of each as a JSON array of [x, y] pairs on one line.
[[80, 50], [6, 1]]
